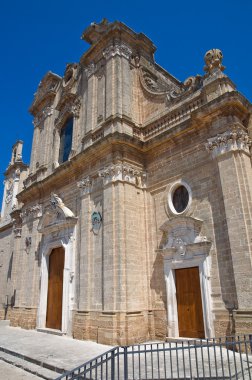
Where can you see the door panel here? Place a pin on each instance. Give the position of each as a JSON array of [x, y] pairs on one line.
[[55, 289], [190, 315]]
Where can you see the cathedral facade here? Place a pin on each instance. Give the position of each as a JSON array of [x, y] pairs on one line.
[[133, 220]]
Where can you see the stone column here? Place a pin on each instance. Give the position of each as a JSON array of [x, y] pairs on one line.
[[84, 277], [231, 151]]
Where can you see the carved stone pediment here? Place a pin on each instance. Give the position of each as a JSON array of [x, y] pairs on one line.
[[46, 92], [56, 216], [182, 238]]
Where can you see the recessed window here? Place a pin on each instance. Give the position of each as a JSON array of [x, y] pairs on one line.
[[66, 136], [180, 199]]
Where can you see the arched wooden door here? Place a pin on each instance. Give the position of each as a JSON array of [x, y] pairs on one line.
[[55, 289], [190, 314]]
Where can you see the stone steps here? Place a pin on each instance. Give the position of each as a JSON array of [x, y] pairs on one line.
[[4, 322], [40, 369]]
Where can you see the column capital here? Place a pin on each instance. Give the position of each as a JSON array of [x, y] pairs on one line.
[[234, 139]]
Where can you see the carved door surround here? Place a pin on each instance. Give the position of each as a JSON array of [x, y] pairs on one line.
[[184, 247], [57, 224]]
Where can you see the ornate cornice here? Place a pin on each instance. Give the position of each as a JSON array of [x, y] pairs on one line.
[[232, 140], [123, 172]]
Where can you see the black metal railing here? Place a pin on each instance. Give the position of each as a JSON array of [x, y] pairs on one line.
[[217, 358]]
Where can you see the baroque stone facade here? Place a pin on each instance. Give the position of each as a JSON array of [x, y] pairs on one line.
[[134, 179]]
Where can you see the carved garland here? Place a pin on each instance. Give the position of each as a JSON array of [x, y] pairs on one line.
[[123, 172]]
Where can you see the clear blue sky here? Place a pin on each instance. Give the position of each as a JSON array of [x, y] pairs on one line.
[[42, 35]]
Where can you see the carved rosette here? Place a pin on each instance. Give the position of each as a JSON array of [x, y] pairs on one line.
[[85, 185], [229, 141], [123, 172]]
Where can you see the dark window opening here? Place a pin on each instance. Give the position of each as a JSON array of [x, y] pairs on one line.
[[66, 141], [180, 198]]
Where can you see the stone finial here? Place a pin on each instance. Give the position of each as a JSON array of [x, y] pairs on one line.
[[213, 59]]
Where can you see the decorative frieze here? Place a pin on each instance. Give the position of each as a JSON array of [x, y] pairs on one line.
[[123, 172], [229, 141], [117, 49]]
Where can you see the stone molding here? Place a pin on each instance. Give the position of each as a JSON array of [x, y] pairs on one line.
[[56, 216], [41, 116], [232, 140], [182, 239], [125, 173]]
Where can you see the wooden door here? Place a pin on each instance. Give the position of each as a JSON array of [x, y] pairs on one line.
[[55, 289], [190, 315]]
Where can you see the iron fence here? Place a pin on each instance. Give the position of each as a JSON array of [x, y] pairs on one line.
[[218, 358]]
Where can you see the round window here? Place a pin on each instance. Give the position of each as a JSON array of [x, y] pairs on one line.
[[180, 199]]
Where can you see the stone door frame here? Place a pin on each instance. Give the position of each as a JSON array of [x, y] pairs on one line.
[[68, 281], [170, 266]]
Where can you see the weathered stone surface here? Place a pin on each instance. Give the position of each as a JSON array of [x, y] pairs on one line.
[[138, 135]]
